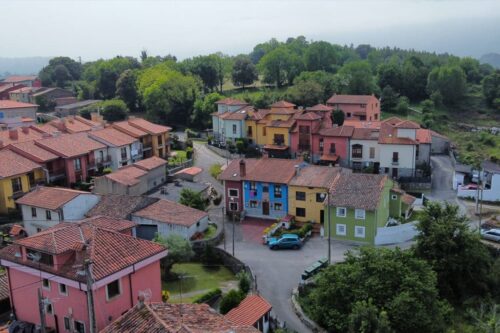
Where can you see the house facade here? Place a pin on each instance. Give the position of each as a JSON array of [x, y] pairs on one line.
[[158, 138], [13, 109], [235, 126], [52, 265], [27, 80], [359, 107]]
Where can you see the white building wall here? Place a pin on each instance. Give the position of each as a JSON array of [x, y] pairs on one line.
[[406, 156], [367, 144], [79, 206], [166, 229], [32, 223], [492, 194]]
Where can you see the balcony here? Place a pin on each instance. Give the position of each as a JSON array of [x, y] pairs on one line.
[[395, 162], [103, 161], [148, 146]]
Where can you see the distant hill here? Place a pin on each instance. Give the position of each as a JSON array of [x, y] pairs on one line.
[[22, 66], [491, 58]]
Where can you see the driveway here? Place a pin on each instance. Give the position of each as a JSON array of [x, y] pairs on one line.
[[204, 159]]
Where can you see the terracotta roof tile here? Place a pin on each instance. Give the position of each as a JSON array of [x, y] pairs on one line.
[[120, 206], [16, 230], [350, 99], [125, 127], [193, 171], [19, 78], [175, 318], [12, 164], [365, 134], [33, 152], [271, 170], [148, 127], [110, 223], [282, 104], [316, 176], [249, 311], [49, 197], [240, 114], [128, 175], [308, 116], [171, 212], [232, 171], [70, 145], [362, 124], [19, 135], [112, 136], [357, 190], [389, 133], [424, 136], [320, 107], [408, 199], [231, 101], [341, 131], [8, 104], [150, 163]]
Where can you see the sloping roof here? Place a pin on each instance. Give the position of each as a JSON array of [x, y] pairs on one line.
[[389, 132], [365, 134], [231, 101], [150, 163], [249, 311], [357, 190], [4, 286], [110, 223], [172, 213], [282, 104], [259, 114], [424, 136], [400, 123], [19, 78], [128, 175], [70, 145], [438, 135], [342, 131], [12, 164], [320, 107], [192, 171], [79, 104], [8, 104], [308, 116], [120, 206], [315, 176], [125, 127], [148, 126], [350, 99], [112, 136], [362, 124], [109, 251], [490, 166], [70, 124], [174, 318], [408, 199], [19, 135], [26, 90], [34, 152], [272, 170], [240, 114], [232, 170], [463, 168], [49, 197]]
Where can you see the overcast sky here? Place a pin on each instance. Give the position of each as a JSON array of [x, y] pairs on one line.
[[104, 28]]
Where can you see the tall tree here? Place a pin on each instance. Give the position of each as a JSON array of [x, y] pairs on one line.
[[203, 109], [59, 71], [360, 77], [389, 99], [414, 74], [491, 87], [280, 66], [450, 81], [305, 93], [244, 71], [320, 56], [126, 89]]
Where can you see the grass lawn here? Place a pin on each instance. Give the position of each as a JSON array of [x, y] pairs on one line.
[[197, 280], [210, 232], [179, 158]]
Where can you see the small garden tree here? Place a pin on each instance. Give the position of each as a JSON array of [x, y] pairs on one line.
[[179, 250], [338, 117], [231, 300], [192, 199]]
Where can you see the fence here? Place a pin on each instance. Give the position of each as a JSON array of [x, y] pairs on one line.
[[177, 167], [397, 234]]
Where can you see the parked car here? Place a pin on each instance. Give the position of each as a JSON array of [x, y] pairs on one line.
[[492, 235], [286, 241], [470, 187]]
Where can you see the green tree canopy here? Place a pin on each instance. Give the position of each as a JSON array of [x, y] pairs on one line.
[[450, 81], [203, 109], [330, 83], [305, 93], [192, 199], [338, 117], [320, 56], [126, 89], [360, 78], [59, 71], [280, 66], [114, 110], [244, 71], [389, 99], [491, 87]]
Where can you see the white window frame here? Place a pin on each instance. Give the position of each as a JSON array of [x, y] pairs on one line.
[[338, 231], [358, 227], [119, 288], [338, 212], [65, 293], [394, 197], [43, 284], [359, 214], [233, 189], [67, 320]]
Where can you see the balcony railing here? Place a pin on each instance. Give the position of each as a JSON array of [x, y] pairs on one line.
[[395, 162], [304, 146]]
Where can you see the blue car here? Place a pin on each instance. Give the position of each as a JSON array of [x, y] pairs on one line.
[[286, 241]]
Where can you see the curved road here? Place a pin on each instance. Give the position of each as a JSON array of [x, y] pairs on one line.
[[442, 180]]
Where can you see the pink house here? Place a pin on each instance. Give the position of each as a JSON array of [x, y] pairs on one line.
[[360, 107], [53, 266]]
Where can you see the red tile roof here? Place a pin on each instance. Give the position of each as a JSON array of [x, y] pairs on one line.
[[362, 124], [365, 134], [408, 199], [320, 107], [351, 99], [271, 170], [33, 152], [389, 132], [70, 145], [175, 318], [112, 136], [192, 171], [128, 175], [357, 190], [13, 164], [424, 135], [109, 251], [107, 222], [16, 230], [8, 104], [341, 131], [148, 127], [240, 114], [125, 127], [172, 213], [150, 163], [25, 90], [282, 104], [232, 171], [20, 78], [231, 101], [316, 176], [250, 310], [49, 197], [120, 205], [19, 135], [308, 116]]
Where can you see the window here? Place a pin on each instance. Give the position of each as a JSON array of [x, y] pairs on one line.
[[253, 204], [79, 327], [417, 151], [198, 224], [38, 230], [362, 106], [395, 157], [234, 129], [278, 206], [341, 211], [394, 197], [301, 196], [277, 191], [233, 206], [265, 189], [16, 185], [304, 129], [320, 197], [341, 230], [321, 144], [48, 309], [349, 115], [359, 232], [233, 192], [46, 284], [279, 139], [113, 290], [160, 140], [359, 214], [249, 131], [123, 152], [63, 290], [376, 116], [33, 211], [264, 131], [77, 164], [48, 215], [301, 212], [357, 151], [372, 152], [333, 150], [31, 176], [253, 186], [67, 324]]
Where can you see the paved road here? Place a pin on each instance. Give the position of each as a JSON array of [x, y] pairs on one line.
[[205, 158]]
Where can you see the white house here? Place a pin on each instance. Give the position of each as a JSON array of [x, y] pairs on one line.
[[166, 218], [229, 120], [490, 179], [45, 207]]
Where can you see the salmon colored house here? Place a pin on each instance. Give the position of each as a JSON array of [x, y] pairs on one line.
[[62, 264], [359, 107]]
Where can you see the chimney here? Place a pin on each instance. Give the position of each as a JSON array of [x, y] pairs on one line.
[[297, 170], [140, 303], [13, 135], [26, 130], [243, 168]]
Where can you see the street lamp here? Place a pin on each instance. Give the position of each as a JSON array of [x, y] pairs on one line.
[[326, 197], [233, 213]]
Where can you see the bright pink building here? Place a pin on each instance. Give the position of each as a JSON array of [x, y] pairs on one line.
[[360, 107], [53, 263]]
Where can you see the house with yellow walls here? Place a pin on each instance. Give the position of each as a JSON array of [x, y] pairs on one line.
[[307, 192], [18, 175]]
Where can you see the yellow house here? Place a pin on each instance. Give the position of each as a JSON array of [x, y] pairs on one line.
[[307, 192], [17, 176]]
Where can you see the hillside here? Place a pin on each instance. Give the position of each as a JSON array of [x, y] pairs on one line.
[[492, 59]]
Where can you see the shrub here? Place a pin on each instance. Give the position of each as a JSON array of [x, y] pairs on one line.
[[208, 296], [191, 134], [209, 256], [231, 300], [215, 170], [189, 153], [189, 143], [106, 171], [243, 281], [217, 200]]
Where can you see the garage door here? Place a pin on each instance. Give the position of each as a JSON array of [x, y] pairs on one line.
[[146, 231]]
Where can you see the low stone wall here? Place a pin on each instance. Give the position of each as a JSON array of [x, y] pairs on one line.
[[222, 152], [302, 316], [214, 241]]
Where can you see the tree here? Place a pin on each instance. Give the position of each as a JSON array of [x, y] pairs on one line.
[[224, 66], [389, 74], [403, 106], [114, 110], [60, 75], [244, 71], [450, 81], [338, 117], [206, 68], [244, 282], [320, 56], [470, 66], [491, 87], [384, 280], [231, 300], [203, 109], [389, 99], [414, 75], [330, 83], [461, 261], [360, 78], [126, 89], [44, 104], [262, 49], [179, 250], [192, 199], [305, 93], [59, 71], [280, 66]]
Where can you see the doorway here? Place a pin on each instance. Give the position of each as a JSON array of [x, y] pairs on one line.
[[265, 208]]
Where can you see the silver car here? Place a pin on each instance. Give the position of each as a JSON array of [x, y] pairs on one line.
[[492, 235]]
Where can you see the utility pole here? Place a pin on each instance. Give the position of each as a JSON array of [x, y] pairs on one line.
[[224, 227], [41, 309], [233, 230], [329, 228], [90, 297]]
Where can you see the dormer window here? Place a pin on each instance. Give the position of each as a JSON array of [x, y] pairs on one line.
[[40, 257]]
